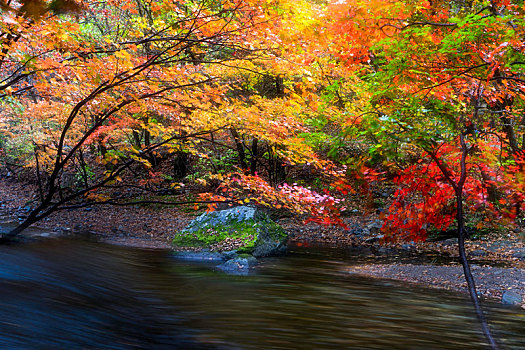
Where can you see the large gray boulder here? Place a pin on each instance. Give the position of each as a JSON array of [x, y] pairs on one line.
[[222, 217], [251, 230]]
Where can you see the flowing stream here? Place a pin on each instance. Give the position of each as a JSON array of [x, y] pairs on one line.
[[75, 294]]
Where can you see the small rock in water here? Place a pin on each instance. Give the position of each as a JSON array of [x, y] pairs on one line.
[[511, 298], [238, 266], [203, 256], [229, 254], [385, 251], [374, 239]]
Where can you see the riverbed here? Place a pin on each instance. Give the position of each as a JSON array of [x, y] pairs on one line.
[[78, 294]]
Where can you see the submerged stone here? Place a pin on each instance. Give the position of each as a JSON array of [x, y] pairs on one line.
[[204, 255], [511, 298], [239, 265]]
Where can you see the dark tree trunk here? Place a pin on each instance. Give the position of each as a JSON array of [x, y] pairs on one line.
[[137, 139], [38, 176], [461, 248], [180, 165], [458, 190], [280, 171], [255, 151], [508, 128], [492, 191], [240, 149], [83, 166], [35, 215]]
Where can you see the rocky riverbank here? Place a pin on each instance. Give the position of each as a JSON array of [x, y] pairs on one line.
[[505, 284], [499, 260]]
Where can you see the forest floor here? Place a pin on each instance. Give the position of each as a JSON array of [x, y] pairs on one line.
[[498, 263]]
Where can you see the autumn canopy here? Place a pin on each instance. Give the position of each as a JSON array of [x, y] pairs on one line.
[[302, 106]]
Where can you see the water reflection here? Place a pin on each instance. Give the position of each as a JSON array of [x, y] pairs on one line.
[[81, 295]]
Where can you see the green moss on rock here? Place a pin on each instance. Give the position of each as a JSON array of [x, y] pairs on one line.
[[204, 237], [258, 235]]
